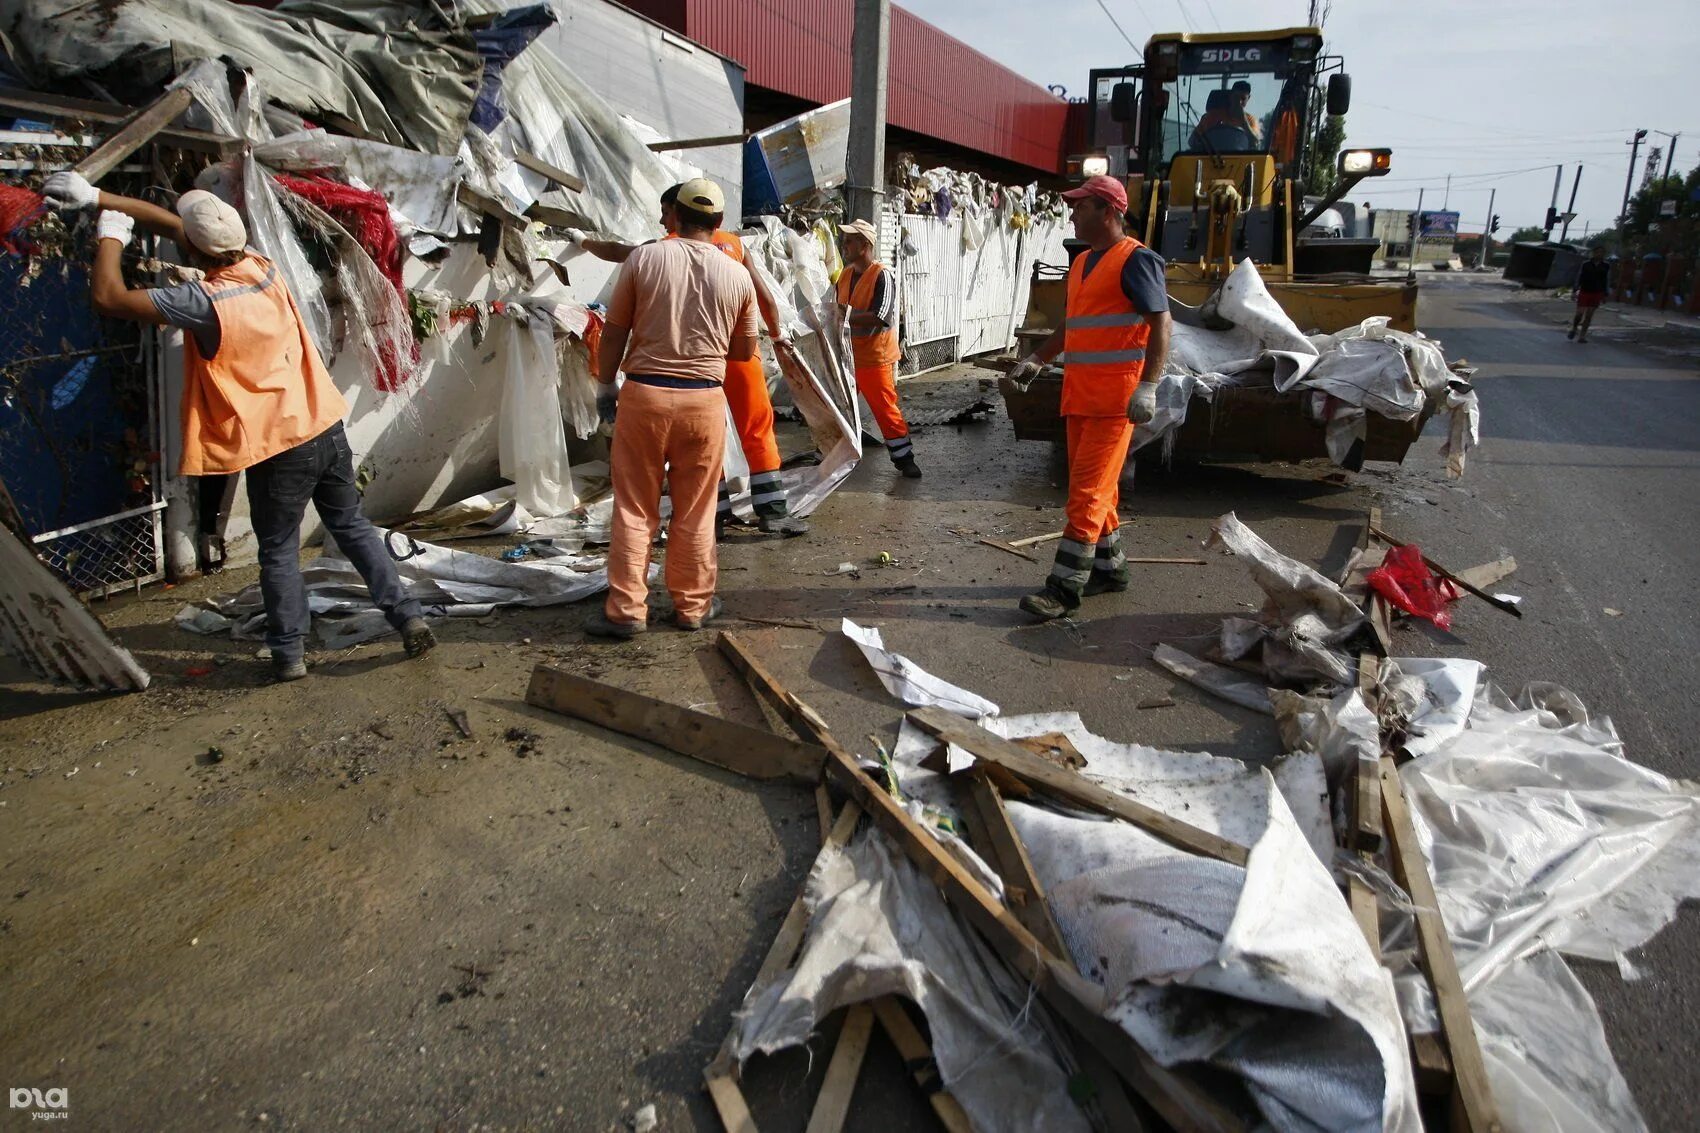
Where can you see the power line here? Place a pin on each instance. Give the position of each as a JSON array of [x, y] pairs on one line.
[[1118, 26], [1211, 8], [1179, 7]]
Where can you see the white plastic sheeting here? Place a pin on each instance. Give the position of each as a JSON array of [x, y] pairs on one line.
[[1544, 841], [532, 445], [448, 582], [44, 626], [912, 684]]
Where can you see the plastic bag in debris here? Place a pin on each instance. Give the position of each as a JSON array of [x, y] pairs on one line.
[[1406, 581], [1463, 432], [532, 444], [912, 684], [1545, 839], [878, 927]]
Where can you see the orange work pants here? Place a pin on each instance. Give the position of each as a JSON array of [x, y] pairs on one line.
[[878, 386], [679, 435], [752, 415], [1097, 450]]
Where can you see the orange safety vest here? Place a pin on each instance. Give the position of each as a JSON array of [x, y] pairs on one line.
[[1103, 339], [267, 389], [869, 346]]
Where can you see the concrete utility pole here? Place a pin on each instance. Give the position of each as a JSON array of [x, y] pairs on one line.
[[1487, 232], [1670, 151], [868, 51], [1416, 227], [1570, 209], [1628, 180], [1552, 209]]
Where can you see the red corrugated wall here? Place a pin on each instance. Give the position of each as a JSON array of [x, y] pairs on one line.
[[936, 85]]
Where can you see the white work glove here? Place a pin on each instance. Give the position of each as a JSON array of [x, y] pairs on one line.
[[1025, 371], [1142, 406], [575, 236], [70, 191], [114, 225]]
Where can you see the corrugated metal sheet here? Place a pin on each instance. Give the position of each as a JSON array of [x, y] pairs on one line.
[[802, 48]]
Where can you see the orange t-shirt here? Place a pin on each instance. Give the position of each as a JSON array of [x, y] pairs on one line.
[[683, 301]]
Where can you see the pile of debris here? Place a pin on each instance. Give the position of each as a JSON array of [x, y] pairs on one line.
[[1106, 935]]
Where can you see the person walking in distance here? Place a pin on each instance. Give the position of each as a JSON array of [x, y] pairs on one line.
[[257, 398], [1116, 336], [680, 309], [746, 387], [866, 292], [1593, 280]]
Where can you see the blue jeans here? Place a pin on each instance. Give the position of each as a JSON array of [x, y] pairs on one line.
[[320, 470]]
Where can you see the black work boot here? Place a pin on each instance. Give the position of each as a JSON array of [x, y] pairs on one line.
[[907, 466], [1106, 582], [789, 526], [417, 638], [1049, 604]]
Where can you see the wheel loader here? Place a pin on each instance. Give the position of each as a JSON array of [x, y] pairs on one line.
[[1212, 135]]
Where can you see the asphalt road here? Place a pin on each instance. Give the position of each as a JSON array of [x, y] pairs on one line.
[[1589, 472]]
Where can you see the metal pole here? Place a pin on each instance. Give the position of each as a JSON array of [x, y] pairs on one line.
[[1628, 179], [1557, 181], [1416, 225], [1487, 232], [868, 51], [1670, 154], [1570, 209]]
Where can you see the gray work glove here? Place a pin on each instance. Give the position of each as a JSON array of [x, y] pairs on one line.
[[70, 191], [1024, 371], [1142, 406]]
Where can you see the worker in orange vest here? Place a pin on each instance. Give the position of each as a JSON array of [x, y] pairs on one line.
[[1115, 336], [256, 398], [745, 388], [867, 295]]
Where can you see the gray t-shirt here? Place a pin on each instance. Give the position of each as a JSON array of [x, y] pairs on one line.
[[188, 306], [1143, 279]]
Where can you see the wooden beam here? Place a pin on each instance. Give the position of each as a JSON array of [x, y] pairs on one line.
[[558, 217], [1072, 787], [1433, 1068], [832, 1104], [1010, 547], [1366, 775], [1032, 539], [736, 747], [52, 107], [1473, 1095], [553, 172], [135, 133], [1076, 1000], [1487, 574], [1463, 584], [699, 143], [729, 1103], [918, 1057], [802, 719]]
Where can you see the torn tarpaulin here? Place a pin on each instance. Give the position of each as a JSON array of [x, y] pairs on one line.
[[912, 684]]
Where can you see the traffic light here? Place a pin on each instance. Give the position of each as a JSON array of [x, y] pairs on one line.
[[1493, 224]]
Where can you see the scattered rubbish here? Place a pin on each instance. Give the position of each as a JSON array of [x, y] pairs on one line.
[[1218, 680], [643, 1121], [929, 418], [515, 554], [213, 755], [885, 558], [845, 568], [1156, 702], [1611, 613], [524, 740], [1456, 580], [458, 718], [1404, 580], [910, 683]]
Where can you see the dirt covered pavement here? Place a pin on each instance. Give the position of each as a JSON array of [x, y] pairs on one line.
[[319, 905]]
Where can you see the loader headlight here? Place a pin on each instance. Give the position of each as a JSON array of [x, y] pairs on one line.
[[1094, 166], [1366, 162]]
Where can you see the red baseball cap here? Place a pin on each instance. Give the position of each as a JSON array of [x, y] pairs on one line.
[[1104, 188]]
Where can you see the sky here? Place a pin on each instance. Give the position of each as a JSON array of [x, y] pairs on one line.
[[1495, 93]]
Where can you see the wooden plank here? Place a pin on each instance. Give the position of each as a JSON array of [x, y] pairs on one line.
[[1473, 1095], [823, 811], [1433, 1068], [1077, 1001], [1366, 776], [1002, 847], [135, 133], [54, 108], [553, 172], [1463, 584], [1071, 787], [729, 1102], [1366, 910], [736, 747], [1032, 539], [918, 1057], [1011, 548], [832, 1104], [802, 719], [558, 217], [699, 143], [1487, 574]]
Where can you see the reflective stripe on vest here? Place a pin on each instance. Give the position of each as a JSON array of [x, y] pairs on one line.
[[869, 346], [1104, 337]]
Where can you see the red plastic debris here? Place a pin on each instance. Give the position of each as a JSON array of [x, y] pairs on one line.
[[1406, 581], [198, 671], [19, 208]]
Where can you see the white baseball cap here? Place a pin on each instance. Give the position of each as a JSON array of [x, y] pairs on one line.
[[703, 195], [211, 225]]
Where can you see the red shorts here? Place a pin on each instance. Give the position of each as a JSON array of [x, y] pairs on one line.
[[1588, 300]]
